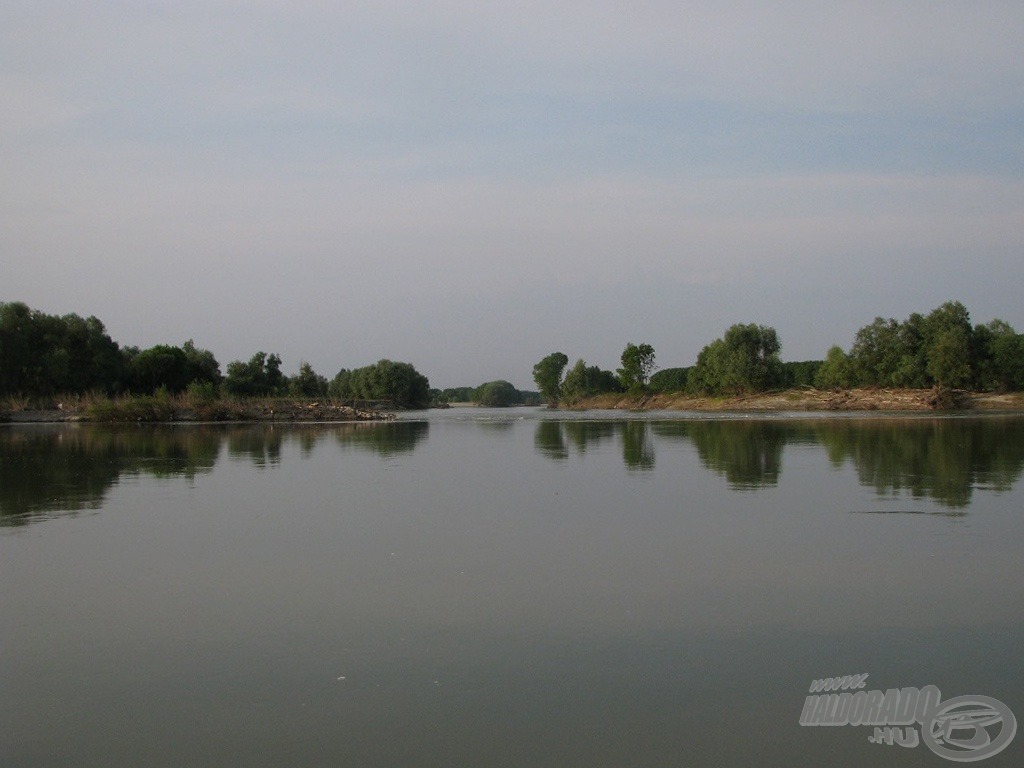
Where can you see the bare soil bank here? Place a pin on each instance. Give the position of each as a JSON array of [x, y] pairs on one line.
[[815, 400]]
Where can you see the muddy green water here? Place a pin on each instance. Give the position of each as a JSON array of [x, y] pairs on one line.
[[502, 588]]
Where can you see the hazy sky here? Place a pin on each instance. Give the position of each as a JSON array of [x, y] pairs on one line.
[[468, 186]]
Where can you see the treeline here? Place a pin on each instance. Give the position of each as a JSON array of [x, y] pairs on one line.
[[941, 349], [492, 394], [44, 355], [582, 380]]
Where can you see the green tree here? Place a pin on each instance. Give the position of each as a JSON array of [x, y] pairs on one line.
[[669, 380], [260, 377], [947, 335], [386, 380], [586, 381], [341, 385], [876, 353], [800, 373], [497, 394], [911, 368], [637, 366], [459, 394], [999, 357], [308, 383], [548, 376], [202, 365], [836, 372], [746, 359], [46, 354], [159, 367]]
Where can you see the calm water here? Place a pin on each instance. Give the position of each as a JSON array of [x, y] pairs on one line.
[[500, 588]]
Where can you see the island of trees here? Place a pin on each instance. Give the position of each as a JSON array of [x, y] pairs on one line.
[[940, 350], [45, 356]]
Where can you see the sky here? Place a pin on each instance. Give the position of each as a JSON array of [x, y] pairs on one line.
[[470, 186]]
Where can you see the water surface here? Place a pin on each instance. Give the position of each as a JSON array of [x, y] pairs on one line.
[[500, 588]]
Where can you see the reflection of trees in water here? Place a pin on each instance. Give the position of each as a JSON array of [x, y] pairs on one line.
[[46, 471], [259, 444], [553, 438], [263, 443], [747, 453], [385, 438], [588, 434], [940, 459], [637, 449], [549, 439]]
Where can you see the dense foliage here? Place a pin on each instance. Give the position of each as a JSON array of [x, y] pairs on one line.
[[260, 377], [548, 376], [44, 355], [637, 366], [308, 383], [669, 380], [385, 381], [584, 380], [940, 349], [746, 359], [497, 394]]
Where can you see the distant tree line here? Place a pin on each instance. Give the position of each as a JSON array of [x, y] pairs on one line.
[[940, 349], [491, 394], [582, 380], [46, 355], [386, 380]]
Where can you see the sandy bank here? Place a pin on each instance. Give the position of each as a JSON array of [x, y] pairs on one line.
[[813, 400]]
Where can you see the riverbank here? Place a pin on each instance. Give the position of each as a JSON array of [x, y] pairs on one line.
[[186, 409], [813, 400]]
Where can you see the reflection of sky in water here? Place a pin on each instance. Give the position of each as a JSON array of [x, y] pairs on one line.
[[537, 568]]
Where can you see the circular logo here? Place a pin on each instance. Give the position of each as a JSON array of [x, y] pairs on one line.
[[969, 728]]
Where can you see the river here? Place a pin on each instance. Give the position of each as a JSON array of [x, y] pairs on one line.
[[514, 587]]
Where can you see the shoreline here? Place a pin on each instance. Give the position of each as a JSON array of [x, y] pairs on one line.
[[811, 400], [154, 411]]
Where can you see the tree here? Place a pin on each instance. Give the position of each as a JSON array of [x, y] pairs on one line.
[[159, 367], [586, 381], [947, 335], [497, 394], [745, 360], [669, 380], [386, 380], [260, 377], [548, 376], [637, 365], [46, 354], [998, 356], [202, 365], [876, 354], [800, 373], [308, 383], [836, 372], [911, 369], [459, 394], [341, 385]]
